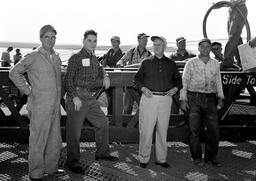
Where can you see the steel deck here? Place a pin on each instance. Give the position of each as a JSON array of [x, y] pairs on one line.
[[238, 163]]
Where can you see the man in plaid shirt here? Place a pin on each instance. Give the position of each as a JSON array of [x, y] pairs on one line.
[[202, 84], [84, 75]]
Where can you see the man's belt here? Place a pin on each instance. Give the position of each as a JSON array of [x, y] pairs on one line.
[[84, 91], [159, 93], [201, 93]]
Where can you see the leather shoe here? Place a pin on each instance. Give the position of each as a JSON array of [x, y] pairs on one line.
[[143, 165], [164, 165], [198, 162], [35, 179], [213, 162], [107, 158], [76, 169], [59, 172]]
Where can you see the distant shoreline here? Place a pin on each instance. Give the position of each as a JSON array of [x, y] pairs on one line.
[[5, 44]]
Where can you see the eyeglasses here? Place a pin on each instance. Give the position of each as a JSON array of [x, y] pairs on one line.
[[50, 37]]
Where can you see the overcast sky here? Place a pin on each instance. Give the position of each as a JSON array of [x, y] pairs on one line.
[[22, 19]]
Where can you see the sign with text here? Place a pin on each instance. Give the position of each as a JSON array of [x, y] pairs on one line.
[[237, 78]]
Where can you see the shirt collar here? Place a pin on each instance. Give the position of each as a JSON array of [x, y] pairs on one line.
[[163, 57], [44, 52], [138, 50], [86, 52], [210, 59], [178, 53]]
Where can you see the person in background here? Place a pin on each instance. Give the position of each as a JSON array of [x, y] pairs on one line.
[[201, 85], [6, 59], [181, 53], [43, 67], [109, 60], [17, 57], [234, 27], [158, 79], [83, 77], [114, 54], [134, 56], [217, 50]]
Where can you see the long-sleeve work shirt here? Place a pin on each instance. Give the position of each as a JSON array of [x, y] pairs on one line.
[[201, 77], [83, 71]]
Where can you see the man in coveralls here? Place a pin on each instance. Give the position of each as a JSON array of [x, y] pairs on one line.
[[85, 75], [43, 67]]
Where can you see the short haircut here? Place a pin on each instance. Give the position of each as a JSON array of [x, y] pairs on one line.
[[89, 32], [47, 28], [216, 43]]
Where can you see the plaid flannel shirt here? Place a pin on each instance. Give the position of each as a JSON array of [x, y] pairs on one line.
[[200, 77], [78, 75]]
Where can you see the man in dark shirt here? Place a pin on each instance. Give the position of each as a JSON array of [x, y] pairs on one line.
[[158, 78], [84, 75], [114, 54], [109, 60]]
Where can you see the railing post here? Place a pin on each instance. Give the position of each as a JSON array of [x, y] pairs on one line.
[[118, 106]]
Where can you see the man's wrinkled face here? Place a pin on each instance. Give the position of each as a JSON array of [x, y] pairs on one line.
[[90, 42], [48, 40], [204, 49], [159, 47]]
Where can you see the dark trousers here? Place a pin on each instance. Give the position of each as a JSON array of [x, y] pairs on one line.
[[175, 104], [91, 110], [130, 96], [235, 27], [109, 95], [203, 113]]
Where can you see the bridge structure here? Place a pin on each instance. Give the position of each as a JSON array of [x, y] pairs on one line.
[[237, 117]]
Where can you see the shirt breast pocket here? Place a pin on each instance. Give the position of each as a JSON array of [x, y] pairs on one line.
[[46, 78]]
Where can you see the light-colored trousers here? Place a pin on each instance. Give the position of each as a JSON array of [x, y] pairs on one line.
[[154, 111], [45, 140]]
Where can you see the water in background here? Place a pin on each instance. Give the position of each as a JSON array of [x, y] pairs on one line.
[[65, 54]]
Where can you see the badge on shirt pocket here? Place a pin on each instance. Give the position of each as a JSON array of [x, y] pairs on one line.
[[86, 62]]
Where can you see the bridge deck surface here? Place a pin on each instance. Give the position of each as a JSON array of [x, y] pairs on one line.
[[238, 163]]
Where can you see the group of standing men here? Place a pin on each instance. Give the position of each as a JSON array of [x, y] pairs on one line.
[[158, 79]]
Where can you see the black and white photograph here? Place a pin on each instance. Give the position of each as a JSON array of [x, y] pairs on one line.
[[118, 90]]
